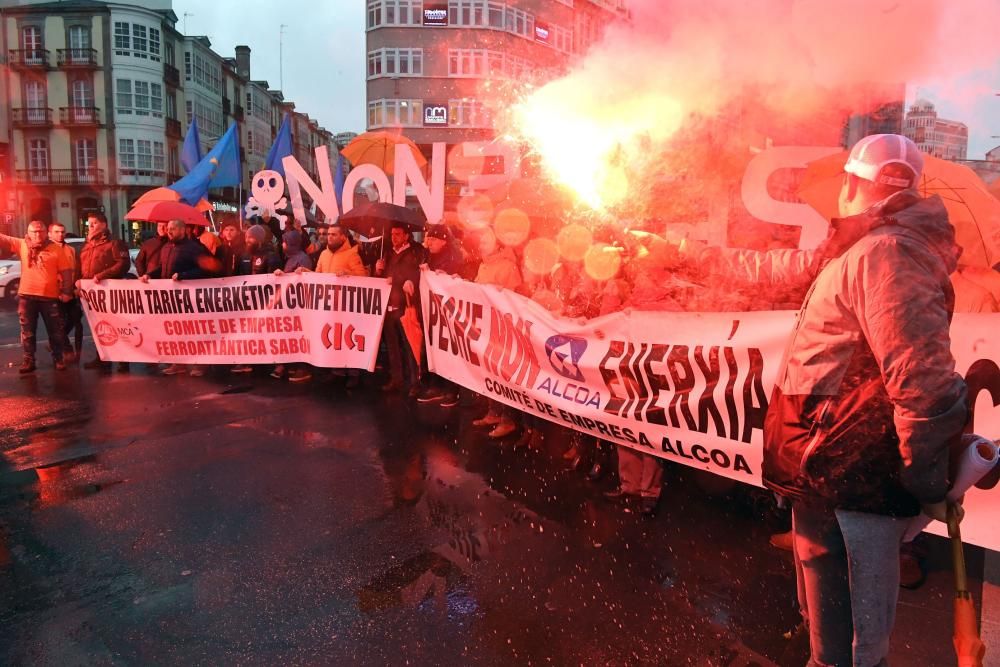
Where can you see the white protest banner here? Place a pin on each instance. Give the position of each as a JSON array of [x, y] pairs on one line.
[[325, 320], [689, 387]]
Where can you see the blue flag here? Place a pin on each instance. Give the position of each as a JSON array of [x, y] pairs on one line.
[[220, 168], [191, 152], [338, 181], [281, 147]]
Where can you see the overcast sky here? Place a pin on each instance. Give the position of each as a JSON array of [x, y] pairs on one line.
[[324, 62], [324, 50]]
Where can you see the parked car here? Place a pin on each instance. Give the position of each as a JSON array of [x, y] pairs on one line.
[[10, 277]]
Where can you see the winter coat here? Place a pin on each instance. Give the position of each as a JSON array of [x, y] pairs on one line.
[[295, 256], [500, 269], [147, 262], [104, 258], [345, 262], [229, 255], [868, 402], [188, 258], [264, 260], [403, 266], [449, 260]]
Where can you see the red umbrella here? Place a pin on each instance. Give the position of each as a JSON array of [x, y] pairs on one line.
[[165, 211]]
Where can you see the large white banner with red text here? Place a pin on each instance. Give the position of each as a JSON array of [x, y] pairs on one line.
[[325, 320], [689, 387]]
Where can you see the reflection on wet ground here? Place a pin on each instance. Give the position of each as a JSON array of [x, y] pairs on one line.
[[198, 521]]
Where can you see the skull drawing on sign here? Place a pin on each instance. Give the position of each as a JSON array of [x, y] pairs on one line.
[[268, 196]]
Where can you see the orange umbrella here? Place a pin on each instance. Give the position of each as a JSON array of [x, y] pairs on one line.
[[969, 648], [379, 148], [166, 194], [972, 209], [165, 211], [411, 327]]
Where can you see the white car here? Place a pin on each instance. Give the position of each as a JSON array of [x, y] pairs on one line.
[[10, 277]]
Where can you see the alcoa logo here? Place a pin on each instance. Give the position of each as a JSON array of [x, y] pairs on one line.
[[564, 354]]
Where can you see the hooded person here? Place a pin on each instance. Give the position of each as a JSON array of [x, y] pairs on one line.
[[259, 255], [293, 244], [443, 255], [231, 247], [858, 430]]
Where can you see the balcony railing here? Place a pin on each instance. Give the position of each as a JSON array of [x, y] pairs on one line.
[[80, 116], [31, 117], [173, 128], [171, 75], [61, 176], [28, 58], [76, 58]]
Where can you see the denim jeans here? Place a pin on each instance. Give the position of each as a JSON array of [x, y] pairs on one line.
[[29, 308], [847, 568]]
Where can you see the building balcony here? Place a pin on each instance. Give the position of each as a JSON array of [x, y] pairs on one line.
[[80, 116], [171, 76], [173, 128], [61, 176], [77, 58], [143, 177], [31, 117], [28, 59]]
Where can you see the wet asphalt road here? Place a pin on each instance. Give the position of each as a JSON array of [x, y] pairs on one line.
[[221, 520]]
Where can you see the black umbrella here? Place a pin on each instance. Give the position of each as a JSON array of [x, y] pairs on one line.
[[372, 219]]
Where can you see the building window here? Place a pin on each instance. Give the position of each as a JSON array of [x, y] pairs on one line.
[[468, 113], [187, 65], [393, 62], [83, 94], [467, 12], [123, 99], [154, 44], [38, 156], [141, 98], [144, 155], [395, 12], [126, 153], [156, 99], [168, 53], [520, 22], [139, 41], [190, 110], [85, 156], [31, 41], [159, 160], [395, 113], [250, 141], [79, 40], [122, 41], [34, 100]]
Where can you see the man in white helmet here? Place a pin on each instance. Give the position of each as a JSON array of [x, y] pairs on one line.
[[858, 429]]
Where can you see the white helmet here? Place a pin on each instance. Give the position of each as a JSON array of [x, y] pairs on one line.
[[870, 155]]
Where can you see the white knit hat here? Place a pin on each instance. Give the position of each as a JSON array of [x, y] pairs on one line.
[[870, 155]]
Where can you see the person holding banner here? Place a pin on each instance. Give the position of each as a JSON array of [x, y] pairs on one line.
[[443, 255], [868, 404], [258, 257], [402, 269], [147, 262], [72, 312], [102, 258], [46, 280]]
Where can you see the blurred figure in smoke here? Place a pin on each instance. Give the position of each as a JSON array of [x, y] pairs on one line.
[[858, 429], [498, 268]]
